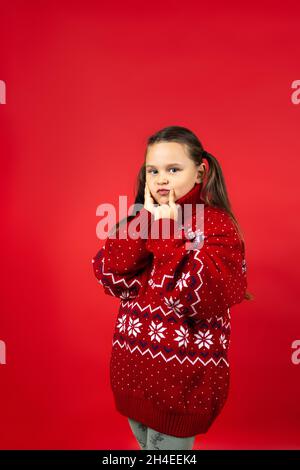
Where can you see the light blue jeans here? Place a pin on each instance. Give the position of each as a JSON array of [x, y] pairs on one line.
[[149, 439]]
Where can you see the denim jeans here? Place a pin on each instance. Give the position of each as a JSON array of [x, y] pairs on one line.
[[149, 439]]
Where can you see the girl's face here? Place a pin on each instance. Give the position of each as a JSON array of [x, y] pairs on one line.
[[168, 166]]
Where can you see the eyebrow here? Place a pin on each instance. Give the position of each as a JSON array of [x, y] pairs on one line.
[[170, 164]]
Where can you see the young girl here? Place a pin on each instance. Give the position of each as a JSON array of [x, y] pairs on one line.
[[169, 368]]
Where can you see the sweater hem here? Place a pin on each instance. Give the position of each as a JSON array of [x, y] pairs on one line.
[[175, 424]]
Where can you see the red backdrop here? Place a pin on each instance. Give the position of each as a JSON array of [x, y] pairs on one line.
[[86, 83]]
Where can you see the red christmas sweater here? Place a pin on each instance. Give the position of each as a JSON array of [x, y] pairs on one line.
[[169, 366]]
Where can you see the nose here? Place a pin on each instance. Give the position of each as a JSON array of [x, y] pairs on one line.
[[162, 179]]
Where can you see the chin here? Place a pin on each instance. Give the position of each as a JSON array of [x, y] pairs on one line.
[[163, 199]]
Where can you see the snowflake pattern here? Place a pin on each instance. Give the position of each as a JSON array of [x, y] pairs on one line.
[[223, 341], [182, 281], [125, 294], [133, 326], [196, 237], [156, 331], [182, 337], [203, 339], [173, 304], [150, 281], [122, 323]]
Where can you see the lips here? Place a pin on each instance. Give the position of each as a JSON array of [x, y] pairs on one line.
[[163, 191]]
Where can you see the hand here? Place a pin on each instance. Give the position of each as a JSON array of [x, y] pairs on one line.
[[148, 201], [169, 210]]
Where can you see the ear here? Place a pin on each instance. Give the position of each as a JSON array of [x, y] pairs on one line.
[[200, 173]]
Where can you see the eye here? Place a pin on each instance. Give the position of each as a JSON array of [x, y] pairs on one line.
[[176, 169]]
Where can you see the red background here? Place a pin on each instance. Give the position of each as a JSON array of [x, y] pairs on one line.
[[87, 82]]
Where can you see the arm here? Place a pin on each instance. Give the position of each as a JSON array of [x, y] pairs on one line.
[[120, 264], [199, 282]]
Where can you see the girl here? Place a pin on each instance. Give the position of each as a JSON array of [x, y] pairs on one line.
[[169, 368]]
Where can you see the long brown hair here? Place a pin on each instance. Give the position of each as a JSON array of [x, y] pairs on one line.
[[214, 193]]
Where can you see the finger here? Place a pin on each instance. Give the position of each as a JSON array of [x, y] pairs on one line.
[[172, 196], [148, 192]]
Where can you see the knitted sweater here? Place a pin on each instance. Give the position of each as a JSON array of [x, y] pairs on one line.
[[169, 366]]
